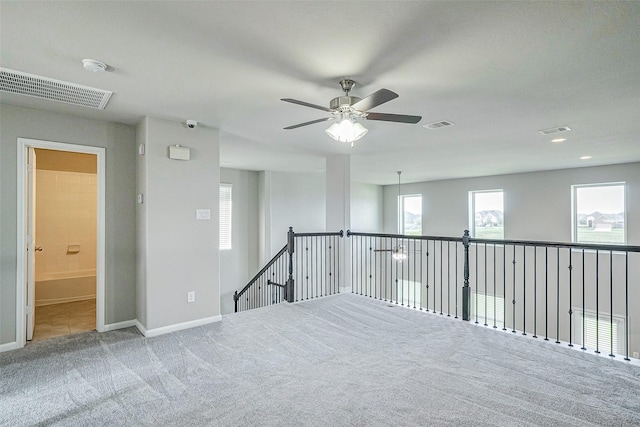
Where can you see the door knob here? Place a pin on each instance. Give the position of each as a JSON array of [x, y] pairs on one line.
[[38, 248]]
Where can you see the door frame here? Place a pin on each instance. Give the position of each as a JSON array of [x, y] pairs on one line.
[[21, 276]]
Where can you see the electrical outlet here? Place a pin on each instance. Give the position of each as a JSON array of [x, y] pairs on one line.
[[636, 355], [191, 296]]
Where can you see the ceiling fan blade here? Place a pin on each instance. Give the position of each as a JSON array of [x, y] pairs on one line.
[[375, 99], [399, 118], [306, 104], [309, 123]]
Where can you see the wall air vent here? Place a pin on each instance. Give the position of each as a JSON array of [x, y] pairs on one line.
[[438, 125], [54, 90], [555, 130]]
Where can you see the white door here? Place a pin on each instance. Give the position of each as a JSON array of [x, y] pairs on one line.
[[31, 241]]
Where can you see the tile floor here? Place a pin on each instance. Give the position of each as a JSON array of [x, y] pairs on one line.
[[64, 319]]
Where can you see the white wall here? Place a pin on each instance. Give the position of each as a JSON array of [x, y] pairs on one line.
[[290, 200], [119, 141], [240, 263], [366, 208], [180, 252]]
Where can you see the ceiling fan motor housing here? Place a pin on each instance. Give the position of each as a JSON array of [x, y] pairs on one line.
[[343, 103]]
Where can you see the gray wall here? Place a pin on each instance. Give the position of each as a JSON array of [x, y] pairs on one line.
[[366, 208], [119, 141], [240, 263], [181, 253], [537, 205], [291, 200]]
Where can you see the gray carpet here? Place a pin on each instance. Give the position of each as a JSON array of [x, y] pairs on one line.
[[341, 360]]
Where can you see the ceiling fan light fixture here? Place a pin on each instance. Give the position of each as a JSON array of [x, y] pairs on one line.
[[399, 253], [347, 130]]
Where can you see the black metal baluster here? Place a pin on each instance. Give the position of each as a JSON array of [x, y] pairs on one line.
[[415, 291], [441, 291], [421, 277], [558, 296], [513, 301], [448, 279], [611, 301], [475, 280], [524, 289], [456, 283], [494, 287], [546, 293], [401, 266], [504, 287], [485, 284], [597, 302], [434, 276], [570, 297], [535, 291], [583, 303], [626, 303], [427, 274]]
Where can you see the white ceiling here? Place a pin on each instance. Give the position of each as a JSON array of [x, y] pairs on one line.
[[501, 71]]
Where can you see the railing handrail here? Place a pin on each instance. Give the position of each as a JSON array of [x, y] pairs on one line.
[[589, 246], [265, 268], [329, 233], [404, 236]]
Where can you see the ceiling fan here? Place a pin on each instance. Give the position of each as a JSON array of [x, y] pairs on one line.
[[348, 109]]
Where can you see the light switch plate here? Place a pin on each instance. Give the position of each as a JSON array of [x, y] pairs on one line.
[[203, 213]]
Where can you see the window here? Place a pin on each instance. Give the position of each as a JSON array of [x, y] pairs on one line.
[[493, 306], [225, 216], [487, 214], [599, 213], [607, 332], [410, 218]]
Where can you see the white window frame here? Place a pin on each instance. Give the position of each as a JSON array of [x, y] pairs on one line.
[[472, 210], [401, 200], [226, 226], [574, 211]]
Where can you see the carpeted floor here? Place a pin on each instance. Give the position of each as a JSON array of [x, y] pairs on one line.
[[344, 360]]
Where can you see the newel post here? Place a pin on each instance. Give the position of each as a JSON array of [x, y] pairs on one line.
[[235, 300], [466, 290], [291, 238]]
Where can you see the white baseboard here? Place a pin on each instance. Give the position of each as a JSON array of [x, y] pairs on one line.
[[119, 325], [9, 346], [177, 327]]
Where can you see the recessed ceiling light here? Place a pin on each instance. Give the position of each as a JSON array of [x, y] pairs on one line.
[[557, 140], [94, 66], [585, 157]]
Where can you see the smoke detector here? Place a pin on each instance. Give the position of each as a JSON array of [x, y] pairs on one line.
[[94, 66]]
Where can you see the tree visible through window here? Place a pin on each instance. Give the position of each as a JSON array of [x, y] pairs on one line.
[[487, 214], [410, 219], [598, 213]]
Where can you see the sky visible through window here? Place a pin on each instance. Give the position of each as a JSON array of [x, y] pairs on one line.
[[603, 199]]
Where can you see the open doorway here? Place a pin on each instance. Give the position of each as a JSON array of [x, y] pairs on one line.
[[61, 192], [66, 194]]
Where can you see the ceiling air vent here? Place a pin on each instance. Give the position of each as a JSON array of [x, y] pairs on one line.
[[440, 124], [54, 90], [555, 130]]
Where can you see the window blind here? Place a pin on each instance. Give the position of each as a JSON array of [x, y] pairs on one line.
[[225, 216]]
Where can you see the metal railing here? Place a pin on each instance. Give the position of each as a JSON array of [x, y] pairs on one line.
[[561, 291], [307, 267]]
